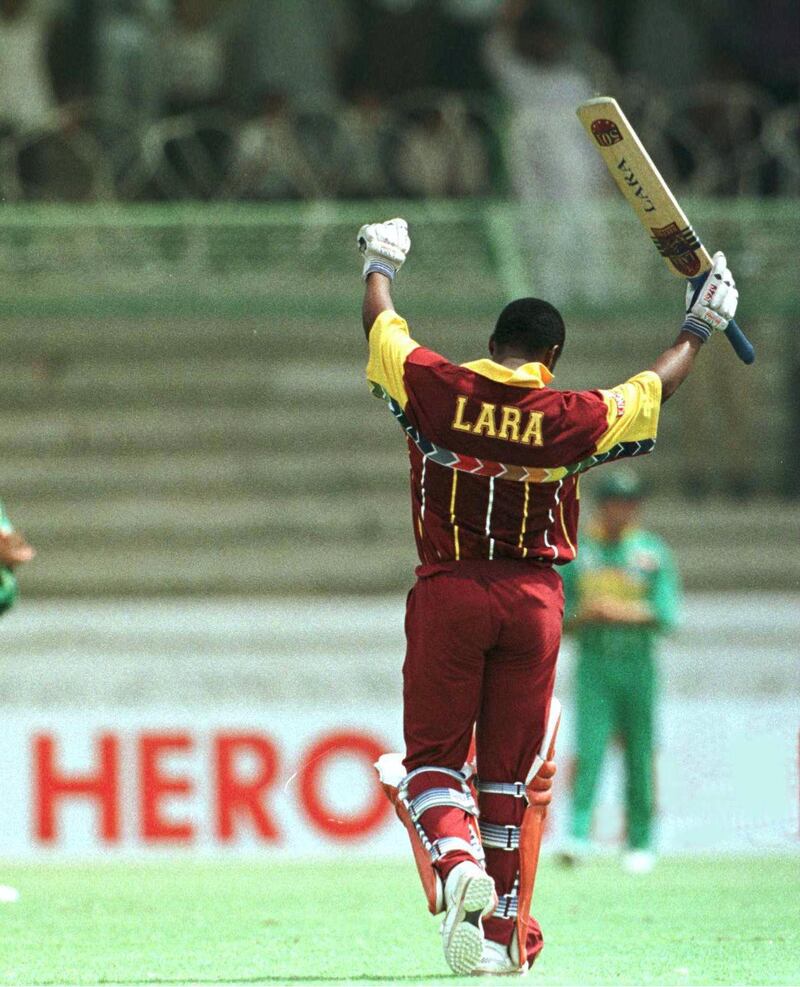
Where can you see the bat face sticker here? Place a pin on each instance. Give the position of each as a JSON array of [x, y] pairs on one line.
[[678, 246], [606, 132]]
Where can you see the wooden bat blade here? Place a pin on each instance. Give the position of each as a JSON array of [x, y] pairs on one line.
[[641, 183], [637, 177]]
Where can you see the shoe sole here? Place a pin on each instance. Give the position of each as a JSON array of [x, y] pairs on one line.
[[463, 946], [506, 971]]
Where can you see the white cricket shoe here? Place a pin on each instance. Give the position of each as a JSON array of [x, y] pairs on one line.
[[638, 861], [469, 897], [8, 895], [500, 961]]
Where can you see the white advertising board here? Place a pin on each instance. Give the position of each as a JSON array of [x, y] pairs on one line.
[[299, 781]]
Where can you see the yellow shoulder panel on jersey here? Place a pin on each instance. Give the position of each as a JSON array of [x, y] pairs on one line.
[[633, 409], [389, 346]]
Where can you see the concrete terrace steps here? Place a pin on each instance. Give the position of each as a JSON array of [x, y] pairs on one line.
[[259, 430], [333, 514], [220, 473], [213, 568], [211, 337], [193, 519], [364, 543], [311, 566], [240, 456]]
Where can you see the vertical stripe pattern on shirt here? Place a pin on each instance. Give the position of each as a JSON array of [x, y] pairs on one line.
[[551, 518], [453, 489], [489, 517], [422, 487], [524, 524], [564, 529]]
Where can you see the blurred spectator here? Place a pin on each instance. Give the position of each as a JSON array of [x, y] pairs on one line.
[[72, 51], [550, 162], [441, 154], [44, 157], [681, 58], [530, 59], [269, 160], [361, 147], [398, 47], [129, 84], [195, 144], [766, 42], [298, 47], [460, 64], [194, 57], [28, 100]]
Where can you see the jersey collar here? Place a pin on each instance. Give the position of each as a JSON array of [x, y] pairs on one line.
[[528, 375]]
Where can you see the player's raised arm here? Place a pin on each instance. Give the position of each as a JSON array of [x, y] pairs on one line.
[[377, 299], [384, 247], [711, 302]]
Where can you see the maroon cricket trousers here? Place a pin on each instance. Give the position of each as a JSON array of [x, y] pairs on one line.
[[482, 642]]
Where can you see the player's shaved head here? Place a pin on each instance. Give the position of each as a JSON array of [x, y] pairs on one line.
[[528, 327]]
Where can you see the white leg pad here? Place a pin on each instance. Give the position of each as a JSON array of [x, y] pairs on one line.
[[527, 838], [394, 781]]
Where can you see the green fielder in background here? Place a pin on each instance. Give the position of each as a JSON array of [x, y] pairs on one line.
[[14, 549], [621, 594]]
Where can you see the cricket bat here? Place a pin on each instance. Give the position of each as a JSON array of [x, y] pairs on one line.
[[641, 183]]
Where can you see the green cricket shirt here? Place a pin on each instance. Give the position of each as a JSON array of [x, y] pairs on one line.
[[637, 568], [8, 581]]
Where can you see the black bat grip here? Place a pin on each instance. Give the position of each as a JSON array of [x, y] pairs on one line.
[[740, 343]]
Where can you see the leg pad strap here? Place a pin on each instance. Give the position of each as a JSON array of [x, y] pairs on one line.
[[499, 837], [507, 905], [526, 838], [432, 797], [516, 789], [395, 782]]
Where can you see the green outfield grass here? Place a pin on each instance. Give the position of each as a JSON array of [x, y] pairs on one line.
[[729, 921]]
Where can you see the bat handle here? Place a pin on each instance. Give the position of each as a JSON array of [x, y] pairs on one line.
[[740, 343]]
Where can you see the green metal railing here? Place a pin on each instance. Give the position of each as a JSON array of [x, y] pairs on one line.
[[467, 256]]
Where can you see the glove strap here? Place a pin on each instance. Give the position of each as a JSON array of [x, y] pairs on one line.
[[697, 327], [379, 267]]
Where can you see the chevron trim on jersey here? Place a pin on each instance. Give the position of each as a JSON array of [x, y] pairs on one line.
[[486, 467]]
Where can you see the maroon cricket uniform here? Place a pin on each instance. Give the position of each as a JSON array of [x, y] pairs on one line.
[[495, 461]]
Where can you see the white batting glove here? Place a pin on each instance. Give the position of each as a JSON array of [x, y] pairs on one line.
[[711, 300], [384, 246]]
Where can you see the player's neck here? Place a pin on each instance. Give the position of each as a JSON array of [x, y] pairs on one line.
[[513, 361]]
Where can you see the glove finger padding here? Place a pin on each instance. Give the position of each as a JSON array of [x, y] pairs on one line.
[[400, 228], [711, 300], [731, 302], [384, 246]]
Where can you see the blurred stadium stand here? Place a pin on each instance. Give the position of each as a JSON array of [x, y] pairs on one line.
[[260, 99], [183, 407], [720, 140]]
